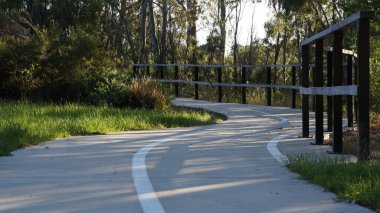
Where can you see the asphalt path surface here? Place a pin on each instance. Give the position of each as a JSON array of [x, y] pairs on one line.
[[235, 166]]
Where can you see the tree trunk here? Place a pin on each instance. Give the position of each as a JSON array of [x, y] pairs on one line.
[[143, 53], [236, 47], [192, 30], [276, 55], [284, 52], [222, 26], [171, 41], [164, 31], [122, 28], [152, 27]]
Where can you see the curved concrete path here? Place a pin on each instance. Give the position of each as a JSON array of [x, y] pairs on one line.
[[229, 167]]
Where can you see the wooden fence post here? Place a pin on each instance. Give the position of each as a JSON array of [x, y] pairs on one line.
[[243, 81], [134, 71], [161, 72], [220, 90], [337, 100], [363, 89], [356, 83], [313, 72], [269, 89], [318, 82], [305, 98], [147, 70], [349, 108], [176, 91], [294, 92], [196, 86], [329, 84]]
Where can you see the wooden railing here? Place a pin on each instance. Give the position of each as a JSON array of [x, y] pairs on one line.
[[219, 70], [334, 89], [335, 79], [162, 70]]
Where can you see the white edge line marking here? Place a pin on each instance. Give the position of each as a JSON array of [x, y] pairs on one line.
[[272, 145], [144, 188], [273, 150]]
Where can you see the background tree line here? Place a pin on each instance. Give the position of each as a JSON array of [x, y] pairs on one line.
[[65, 50]]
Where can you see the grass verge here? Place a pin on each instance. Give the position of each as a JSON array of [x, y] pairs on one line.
[[23, 124], [356, 182]]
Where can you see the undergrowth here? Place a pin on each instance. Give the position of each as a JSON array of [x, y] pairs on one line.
[[23, 124]]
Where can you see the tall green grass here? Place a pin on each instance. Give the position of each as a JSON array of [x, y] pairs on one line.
[[357, 182], [23, 124]]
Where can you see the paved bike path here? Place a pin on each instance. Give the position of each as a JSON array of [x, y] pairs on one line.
[[226, 167]]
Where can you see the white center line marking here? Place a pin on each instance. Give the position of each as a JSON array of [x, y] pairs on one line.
[[144, 188]]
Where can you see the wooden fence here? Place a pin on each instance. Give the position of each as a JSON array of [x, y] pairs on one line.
[[357, 81]]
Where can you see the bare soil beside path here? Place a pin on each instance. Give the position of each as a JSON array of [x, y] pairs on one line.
[[216, 168]]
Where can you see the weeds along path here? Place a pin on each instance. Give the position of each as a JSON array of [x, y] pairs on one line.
[[230, 167]]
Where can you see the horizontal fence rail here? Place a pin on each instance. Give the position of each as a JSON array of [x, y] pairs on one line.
[[278, 86], [326, 91], [228, 66], [218, 66], [330, 91]]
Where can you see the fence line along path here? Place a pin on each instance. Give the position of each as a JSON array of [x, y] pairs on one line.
[[356, 65]]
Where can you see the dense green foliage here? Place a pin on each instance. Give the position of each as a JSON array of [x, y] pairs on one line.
[[23, 124], [71, 50], [55, 67], [357, 182]]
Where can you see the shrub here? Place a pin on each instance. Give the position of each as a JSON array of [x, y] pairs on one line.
[[74, 67], [56, 67], [119, 91], [63, 69], [145, 93], [108, 85], [19, 60]]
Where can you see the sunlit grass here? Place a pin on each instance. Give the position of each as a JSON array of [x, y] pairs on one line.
[[357, 182], [23, 124]]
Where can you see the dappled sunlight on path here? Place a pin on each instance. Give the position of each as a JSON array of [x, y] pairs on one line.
[[216, 168]]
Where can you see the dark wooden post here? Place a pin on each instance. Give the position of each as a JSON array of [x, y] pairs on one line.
[[134, 71], [147, 70], [329, 84], [356, 83], [269, 90], [313, 83], [294, 92], [220, 90], [305, 98], [196, 86], [318, 82], [161, 72], [243, 81], [363, 89], [337, 100], [176, 91], [157, 71], [349, 109]]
